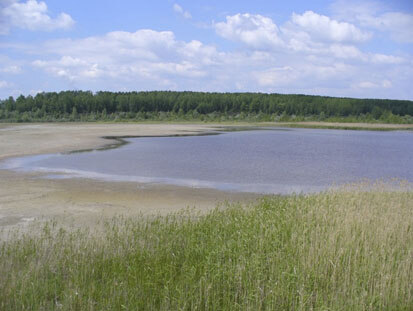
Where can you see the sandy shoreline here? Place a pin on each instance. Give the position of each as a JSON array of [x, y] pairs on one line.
[[27, 197], [30, 139]]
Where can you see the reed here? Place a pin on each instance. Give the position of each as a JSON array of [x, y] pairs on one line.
[[345, 249]]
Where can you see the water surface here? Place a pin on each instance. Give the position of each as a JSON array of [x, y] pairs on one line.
[[265, 161]]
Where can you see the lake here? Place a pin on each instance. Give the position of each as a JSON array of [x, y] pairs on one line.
[[264, 161]]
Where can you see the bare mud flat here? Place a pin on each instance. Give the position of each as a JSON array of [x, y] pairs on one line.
[[27, 197]]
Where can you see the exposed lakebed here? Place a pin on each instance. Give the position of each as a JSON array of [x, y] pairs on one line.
[[263, 161]]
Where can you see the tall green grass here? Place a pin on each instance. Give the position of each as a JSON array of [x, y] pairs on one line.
[[345, 249]]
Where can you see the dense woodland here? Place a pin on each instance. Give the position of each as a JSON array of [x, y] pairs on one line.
[[168, 105]]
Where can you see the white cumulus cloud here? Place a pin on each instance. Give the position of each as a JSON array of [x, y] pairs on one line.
[[31, 15], [144, 54], [324, 28], [254, 30], [308, 34]]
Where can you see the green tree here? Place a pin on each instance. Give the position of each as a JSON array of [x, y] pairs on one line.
[[74, 115]]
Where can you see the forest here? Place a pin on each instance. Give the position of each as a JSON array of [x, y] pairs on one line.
[[170, 105]]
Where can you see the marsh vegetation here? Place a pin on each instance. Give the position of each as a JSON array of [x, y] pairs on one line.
[[346, 249]]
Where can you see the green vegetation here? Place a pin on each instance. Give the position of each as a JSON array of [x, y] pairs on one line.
[[181, 106], [347, 126], [339, 250]]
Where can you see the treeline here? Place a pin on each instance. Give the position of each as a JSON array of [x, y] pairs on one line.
[[168, 105]]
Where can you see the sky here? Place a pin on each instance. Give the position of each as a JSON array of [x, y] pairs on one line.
[[361, 49]]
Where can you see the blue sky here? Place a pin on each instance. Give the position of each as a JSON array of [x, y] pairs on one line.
[[335, 48]]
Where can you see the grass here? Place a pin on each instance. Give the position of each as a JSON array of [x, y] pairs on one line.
[[345, 249]]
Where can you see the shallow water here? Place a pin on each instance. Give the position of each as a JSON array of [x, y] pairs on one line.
[[265, 161]]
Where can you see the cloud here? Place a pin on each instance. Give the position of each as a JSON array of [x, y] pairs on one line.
[[148, 59], [11, 69], [310, 53], [398, 25], [303, 74], [178, 9], [70, 68], [35, 92], [31, 15], [309, 33], [145, 54], [313, 53], [386, 59], [373, 85], [378, 17], [346, 51], [276, 76], [324, 28], [5, 84], [254, 30]]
